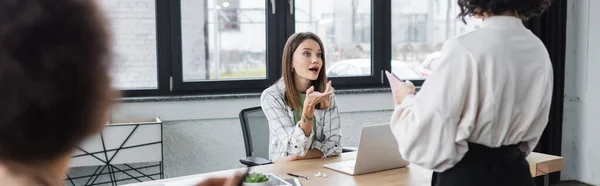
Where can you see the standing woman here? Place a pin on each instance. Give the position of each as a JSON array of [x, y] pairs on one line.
[[485, 107], [303, 117]]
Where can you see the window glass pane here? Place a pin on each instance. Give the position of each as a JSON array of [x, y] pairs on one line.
[[345, 28], [223, 39], [133, 23], [419, 29]]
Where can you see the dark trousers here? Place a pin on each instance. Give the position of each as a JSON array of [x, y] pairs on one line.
[[485, 166]]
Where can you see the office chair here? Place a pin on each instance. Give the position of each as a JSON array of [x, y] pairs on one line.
[[255, 128]]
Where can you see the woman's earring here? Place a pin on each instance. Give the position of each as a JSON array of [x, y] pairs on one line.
[[292, 70]]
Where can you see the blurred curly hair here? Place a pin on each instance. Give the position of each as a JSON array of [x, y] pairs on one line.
[[525, 9]]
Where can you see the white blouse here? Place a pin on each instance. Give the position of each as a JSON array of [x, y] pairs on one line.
[[493, 87]]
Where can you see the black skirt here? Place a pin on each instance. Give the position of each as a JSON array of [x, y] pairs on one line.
[[485, 166]]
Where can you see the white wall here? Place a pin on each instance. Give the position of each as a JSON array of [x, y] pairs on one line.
[[580, 145]]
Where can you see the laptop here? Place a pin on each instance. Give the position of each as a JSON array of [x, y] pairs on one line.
[[377, 151]]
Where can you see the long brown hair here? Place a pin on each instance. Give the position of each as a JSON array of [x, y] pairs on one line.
[[291, 94]]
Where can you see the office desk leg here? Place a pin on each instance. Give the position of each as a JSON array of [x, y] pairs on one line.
[[542, 180]]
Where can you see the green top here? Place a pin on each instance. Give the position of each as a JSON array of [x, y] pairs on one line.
[[298, 113]]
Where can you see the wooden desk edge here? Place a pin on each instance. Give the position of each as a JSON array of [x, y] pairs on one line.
[[542, 164]]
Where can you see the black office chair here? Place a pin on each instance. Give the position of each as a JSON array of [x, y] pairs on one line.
[[255, 128]]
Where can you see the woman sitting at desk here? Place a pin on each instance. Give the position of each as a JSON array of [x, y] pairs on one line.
[[486, 105], [303, 117]]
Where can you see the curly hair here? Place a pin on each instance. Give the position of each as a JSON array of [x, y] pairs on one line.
[[525, 9], [54, 62]]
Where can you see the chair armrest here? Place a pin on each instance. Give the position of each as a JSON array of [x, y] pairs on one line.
[[254, 161], [349, 149]]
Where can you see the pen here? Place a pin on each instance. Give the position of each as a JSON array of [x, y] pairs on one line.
[[297, 176]]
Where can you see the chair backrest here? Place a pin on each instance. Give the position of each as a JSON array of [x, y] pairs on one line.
[[255, 128]]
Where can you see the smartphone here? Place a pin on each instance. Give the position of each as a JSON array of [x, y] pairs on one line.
[[394, 75], [394, 82]]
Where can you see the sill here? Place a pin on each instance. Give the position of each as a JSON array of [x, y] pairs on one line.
[[235, 96], [228, 106]]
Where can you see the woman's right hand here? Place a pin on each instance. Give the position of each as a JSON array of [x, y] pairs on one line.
[[404, 89], [314, 97]]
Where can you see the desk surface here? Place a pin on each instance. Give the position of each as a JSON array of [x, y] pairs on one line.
[[540, 164]]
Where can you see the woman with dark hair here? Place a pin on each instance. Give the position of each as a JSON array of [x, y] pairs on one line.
[[483, 111], [303, 117], [56, 91], [54, 60]]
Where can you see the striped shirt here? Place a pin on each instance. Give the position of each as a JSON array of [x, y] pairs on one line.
[[287, 138]]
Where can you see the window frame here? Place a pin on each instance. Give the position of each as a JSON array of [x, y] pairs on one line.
[[279, 27], [379, 23], [179, 86]]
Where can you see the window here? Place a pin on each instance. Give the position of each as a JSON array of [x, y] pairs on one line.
[[133, 23], [419, 30], [344, 26], [210, 52], [169, 47], [219, 46], [215, 46]]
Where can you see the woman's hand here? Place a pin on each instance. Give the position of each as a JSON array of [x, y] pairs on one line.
[[314, 97], [222, 181], [404, 89]]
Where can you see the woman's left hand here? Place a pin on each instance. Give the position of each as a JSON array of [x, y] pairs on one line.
[[404, 89], [314, 97]]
